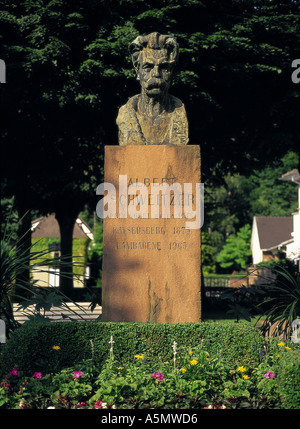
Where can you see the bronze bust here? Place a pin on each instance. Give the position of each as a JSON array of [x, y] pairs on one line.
[[153, 117]]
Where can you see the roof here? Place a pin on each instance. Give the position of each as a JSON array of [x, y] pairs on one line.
[[47, 226], [292, 175], [273, 230]]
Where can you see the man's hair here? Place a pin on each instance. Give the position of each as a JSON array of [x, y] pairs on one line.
[[154, 41]]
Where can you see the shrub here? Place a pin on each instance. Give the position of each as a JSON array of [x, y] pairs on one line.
[[282, 303], [30, 347], [289, 380], [278, 373]]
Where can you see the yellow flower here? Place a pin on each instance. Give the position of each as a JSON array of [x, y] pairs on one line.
[[190, 353], [183, 370], [241, 369], [55, 347], [288, 348], [194, 362], [278, 356], [139, 356], [281, 344], [246, 377]]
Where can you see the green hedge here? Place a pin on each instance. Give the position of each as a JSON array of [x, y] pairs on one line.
[[30, 347], [289, 380]]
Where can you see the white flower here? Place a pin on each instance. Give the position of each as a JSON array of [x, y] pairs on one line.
[[22, 403]]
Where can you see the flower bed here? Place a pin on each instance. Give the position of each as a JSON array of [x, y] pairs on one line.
[[197, 379]]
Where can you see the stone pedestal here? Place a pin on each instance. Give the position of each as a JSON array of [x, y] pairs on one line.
[[151, 266]]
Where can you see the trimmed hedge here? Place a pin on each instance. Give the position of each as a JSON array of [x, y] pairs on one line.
[[289, 380], [30, 346]]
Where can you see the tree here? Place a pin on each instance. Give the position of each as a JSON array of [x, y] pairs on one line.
[[236, 199], [227, 204], [236, 252], [207, 254], [268, 195], [68, 71], [57, 134]]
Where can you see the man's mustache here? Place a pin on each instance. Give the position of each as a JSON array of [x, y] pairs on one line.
[[155, 83]]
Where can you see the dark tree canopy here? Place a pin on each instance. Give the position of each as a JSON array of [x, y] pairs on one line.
[[69, 71]]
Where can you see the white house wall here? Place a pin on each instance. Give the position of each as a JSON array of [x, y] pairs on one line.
[[257, 254], [293, 249]]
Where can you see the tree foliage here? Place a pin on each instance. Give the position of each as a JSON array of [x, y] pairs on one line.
[[237, 199], [268, 195], [236, 252], [68, 72]]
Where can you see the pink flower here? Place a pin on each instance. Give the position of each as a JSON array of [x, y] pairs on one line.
[[77, 374], [158, 375], [81, 404], [37, 375], [269, 374], [13, 372], [98, 404]]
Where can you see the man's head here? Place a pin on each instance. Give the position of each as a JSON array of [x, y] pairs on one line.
[[154, 58]]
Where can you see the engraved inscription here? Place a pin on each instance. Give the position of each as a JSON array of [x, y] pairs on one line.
[[147, 181], [151, 231], [140, 230], [138, 245], [134, 237]]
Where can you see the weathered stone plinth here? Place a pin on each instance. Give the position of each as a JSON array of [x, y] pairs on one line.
[[151, 267]]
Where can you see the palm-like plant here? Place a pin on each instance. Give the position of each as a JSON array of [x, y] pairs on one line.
[[7, 276], [14, 260], [282, 304]]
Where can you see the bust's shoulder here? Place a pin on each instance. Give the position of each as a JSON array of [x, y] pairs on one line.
[[131, 103], [127, 112], [176, 102]]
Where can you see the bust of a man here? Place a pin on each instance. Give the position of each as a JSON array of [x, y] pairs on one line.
[[153, 117]]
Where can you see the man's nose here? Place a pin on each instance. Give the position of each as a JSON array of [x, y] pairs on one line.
[[156, 71]]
